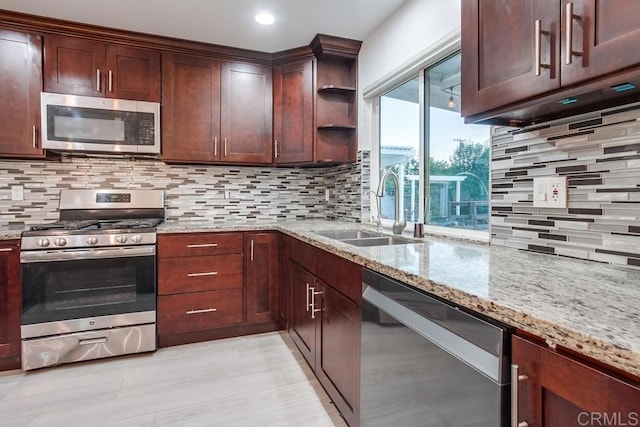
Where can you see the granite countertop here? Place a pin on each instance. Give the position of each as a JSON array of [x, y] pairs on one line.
[[588, 307], [12, 232]]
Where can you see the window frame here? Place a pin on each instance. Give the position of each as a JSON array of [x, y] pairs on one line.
[[445, 48]]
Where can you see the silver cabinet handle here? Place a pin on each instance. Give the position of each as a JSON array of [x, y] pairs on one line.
[[203, 245], [225, 147], [98, 80], [568, 37], [34, 132], [251, 249], [537, 36], [276, 148], [538, 65], [6, 249], [203, 310], [215, 146], [516, 378], [110, 81], [208, 273], [308, 296], [314, 310]]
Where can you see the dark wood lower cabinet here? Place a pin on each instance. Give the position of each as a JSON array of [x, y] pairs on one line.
[[302, 326], [10, 302], [262, 273], [556, 390], [325, 323], [338, 359]]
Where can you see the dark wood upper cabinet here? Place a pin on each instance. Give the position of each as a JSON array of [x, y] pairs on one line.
[[20, 87], [190, 108], [293, 128], [10, 305], [80, 66], [215, 112], [262, 276], [604, 38], [555, 390], [246, 113], [133, 73], [531, 61], [499, 52]]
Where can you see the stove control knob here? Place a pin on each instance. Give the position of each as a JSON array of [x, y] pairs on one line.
[[92, 240], [121, 239], [136, 238], [43, 243], [60, 241]]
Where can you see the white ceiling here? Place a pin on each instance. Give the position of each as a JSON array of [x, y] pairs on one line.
[[223, 22]]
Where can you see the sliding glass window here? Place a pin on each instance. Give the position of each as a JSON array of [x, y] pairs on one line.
[[456, 174]]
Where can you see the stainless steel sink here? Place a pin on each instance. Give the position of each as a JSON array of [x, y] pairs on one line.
[[363, 238], [378, 241], [348, 234]]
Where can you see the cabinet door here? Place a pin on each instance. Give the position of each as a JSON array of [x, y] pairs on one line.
[[285, 284], [339, 355], [302, 326], [562, 392], [20, 86], [246, 117], [10, 302], [262, 267], [190, 108], [498, 52], [74, 66], [606, 36], [133, 73], [293, 112]]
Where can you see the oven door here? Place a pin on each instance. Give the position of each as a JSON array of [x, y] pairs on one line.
[[71, 284]]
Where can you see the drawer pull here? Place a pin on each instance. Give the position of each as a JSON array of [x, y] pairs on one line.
[[89, 341], [203, 310], [6, 249], [208, 273], [203, 245]]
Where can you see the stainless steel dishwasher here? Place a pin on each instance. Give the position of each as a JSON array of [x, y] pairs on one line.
[[427, 363]]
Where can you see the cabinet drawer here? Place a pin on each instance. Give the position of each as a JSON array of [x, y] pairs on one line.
[[200, 273], [303, 254], [198, 244], [199, 310], [342, 275]]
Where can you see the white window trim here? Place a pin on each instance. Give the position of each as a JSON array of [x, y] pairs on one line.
[[446, 46]]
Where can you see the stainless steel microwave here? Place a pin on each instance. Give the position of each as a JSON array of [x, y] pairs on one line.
[[84, 123]]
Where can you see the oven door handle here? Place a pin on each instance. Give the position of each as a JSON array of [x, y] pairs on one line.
[[83, 254]]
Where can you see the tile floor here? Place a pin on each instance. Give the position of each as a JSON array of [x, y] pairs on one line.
[[258, 380]]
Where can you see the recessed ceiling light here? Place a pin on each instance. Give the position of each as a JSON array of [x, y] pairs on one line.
[[265, 18]]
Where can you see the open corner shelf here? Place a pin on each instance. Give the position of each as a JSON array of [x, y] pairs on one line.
[[332, 126], [334, 89]]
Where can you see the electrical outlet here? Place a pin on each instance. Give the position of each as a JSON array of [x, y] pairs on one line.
[[227, 194], [550, 192], [17, 192], [326, 194]]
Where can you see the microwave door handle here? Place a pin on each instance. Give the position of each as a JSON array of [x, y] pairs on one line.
[[98, 79]]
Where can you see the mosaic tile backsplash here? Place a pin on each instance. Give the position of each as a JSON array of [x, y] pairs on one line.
[[600, 156], [191, 191]]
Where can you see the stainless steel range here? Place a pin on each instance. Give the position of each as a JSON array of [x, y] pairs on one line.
[[89, 280]]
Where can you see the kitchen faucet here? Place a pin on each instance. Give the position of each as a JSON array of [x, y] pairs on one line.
[[398, 225]]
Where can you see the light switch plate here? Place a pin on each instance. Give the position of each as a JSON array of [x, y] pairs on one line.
[[550, 192]]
